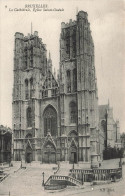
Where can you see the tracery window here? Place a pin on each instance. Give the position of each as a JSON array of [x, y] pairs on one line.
[[50, 121], [73, 112], [29, 117]]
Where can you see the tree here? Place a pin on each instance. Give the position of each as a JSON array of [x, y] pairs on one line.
[[112, 153]]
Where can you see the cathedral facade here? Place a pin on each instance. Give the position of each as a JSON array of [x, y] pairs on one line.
[[56, 119]]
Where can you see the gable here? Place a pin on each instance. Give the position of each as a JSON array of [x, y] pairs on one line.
[[49, 82]]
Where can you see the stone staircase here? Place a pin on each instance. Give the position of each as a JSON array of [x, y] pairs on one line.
[[62, 180], [62, 176]]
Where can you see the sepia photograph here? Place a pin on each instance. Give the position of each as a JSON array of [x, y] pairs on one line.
[[62, 98]]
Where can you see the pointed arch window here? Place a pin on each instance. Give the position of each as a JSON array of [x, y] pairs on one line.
[[26, 89], [73, 112], [50, 121], [29, 117]]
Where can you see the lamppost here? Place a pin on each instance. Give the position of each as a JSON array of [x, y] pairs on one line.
[[106, 119], [43, 179]]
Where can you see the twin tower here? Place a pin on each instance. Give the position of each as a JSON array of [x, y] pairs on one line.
[[56, 118]]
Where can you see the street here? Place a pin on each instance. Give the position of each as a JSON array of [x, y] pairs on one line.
[[28, 182]]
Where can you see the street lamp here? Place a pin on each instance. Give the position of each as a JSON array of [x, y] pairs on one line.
[[43, 179]]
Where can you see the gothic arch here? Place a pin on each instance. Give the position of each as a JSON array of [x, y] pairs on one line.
[[50, 120], [49, 153], [28, 154], [73, 154]]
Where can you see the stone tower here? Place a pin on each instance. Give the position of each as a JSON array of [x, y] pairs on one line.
[[78, 89], [30, 66]]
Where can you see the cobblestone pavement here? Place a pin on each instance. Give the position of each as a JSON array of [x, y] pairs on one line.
[[28, 182]]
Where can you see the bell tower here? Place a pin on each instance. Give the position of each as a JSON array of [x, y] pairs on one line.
[[78, 87], [30, 66]]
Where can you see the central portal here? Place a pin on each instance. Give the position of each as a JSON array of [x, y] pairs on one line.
[[49, 154], [28, 155]]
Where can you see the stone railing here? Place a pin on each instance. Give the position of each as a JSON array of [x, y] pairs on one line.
[[90, 175], [63, 178]]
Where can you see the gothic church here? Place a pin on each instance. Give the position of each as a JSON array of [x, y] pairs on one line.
[[56, 119]]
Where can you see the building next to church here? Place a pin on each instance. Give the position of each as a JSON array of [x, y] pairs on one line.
[[56, 119], [109, 127], [5, 144]]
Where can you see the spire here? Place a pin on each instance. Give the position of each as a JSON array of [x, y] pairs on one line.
[[49, 62], [49, 55]]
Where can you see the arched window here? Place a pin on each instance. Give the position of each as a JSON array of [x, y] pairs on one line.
[[29, 117], [74, 79], [50, 121], [68, 81], [73, 112], [31, 87], [26, 89]]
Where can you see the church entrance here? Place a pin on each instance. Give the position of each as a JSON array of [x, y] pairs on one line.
[[73, 155], [49, 154], [29, 155]]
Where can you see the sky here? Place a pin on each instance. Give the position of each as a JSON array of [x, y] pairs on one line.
[[107, 24]]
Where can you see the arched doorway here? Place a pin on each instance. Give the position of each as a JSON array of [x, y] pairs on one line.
[[29, 154], [73, 154], [73, 137], [49, 153]]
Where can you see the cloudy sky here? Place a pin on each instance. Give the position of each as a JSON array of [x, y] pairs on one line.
[[107, 24]]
